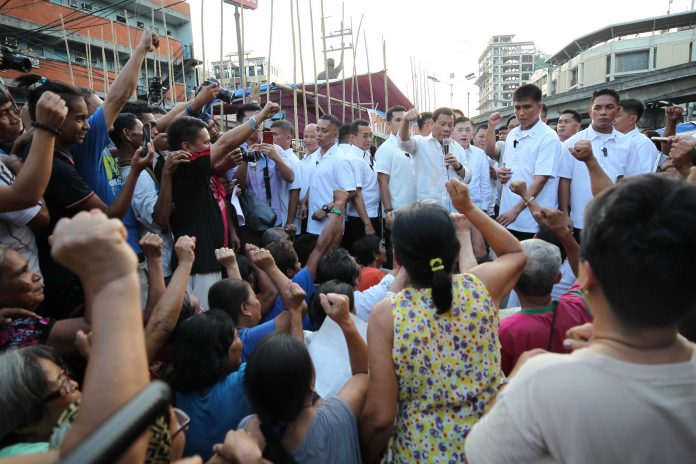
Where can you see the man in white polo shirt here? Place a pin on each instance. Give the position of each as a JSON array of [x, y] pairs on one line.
[[626, 121], [613, 151], [396, 171], [330, 172], [437, 157], [531, 151]]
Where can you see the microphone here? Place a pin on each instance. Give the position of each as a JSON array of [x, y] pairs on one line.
[[604, 150], [514, 143], [445, 145]]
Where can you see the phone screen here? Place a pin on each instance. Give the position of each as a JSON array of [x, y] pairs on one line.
[[268, 137], [147, 137]]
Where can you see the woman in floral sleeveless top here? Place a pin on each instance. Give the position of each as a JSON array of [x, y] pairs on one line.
[[433, 348]]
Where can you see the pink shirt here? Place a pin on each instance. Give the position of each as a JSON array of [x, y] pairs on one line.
[[531, 328]]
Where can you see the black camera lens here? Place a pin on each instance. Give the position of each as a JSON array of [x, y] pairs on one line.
[[248, 156]]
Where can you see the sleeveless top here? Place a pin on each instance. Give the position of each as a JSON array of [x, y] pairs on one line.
[[448, 369]]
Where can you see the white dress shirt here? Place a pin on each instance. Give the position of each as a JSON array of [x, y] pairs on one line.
[[480, 185], [530, 153], [400, 166], [331, 171], [615, 153], [646, 154], [285, 187], [431, 171], [365, 179]]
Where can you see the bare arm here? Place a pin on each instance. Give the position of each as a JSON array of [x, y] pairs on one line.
[[564, 195], [492, 149], [42, 218], [235, 137], [166, 313], [467, 259], [151, 244], [293, 206], [165, 120], [32, 180], [378, 416], [406, 142], [501, 275], [127, 80], [383, 181]]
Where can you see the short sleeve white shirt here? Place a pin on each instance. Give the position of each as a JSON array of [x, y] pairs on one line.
[[294, 162], [431, 171], [645, 157], [531, 153], [14, 231], [612, 152], [307, 167], [330, 172], [366, 180], [400, 166]]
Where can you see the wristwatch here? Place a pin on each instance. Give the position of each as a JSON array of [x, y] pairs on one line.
[[326, 209]]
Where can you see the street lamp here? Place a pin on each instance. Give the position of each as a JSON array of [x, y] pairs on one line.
[[434, 79], [468, 77]]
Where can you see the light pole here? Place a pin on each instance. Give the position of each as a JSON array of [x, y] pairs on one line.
[[434, 79], [468, 77]]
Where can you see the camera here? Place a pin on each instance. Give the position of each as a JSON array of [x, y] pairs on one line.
[[249, 156], [13, 60], [225, 95]]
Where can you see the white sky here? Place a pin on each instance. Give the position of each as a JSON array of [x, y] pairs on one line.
[[444, 36]]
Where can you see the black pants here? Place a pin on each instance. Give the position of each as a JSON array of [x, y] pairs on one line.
[[577, 233], [521, 235], [355, 230]]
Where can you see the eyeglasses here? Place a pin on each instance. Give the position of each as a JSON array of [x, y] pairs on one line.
[[183, 420], [67, 386]]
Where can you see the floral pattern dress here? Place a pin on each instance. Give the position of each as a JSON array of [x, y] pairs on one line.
[[448, 369]]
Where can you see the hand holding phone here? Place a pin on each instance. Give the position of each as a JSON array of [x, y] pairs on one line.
[[267, 137], [147, 138]]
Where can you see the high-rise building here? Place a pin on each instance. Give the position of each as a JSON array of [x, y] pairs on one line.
[[100, 37], [503, 66], [256, 70]]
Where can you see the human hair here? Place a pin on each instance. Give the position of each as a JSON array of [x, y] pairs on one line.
[[284, 125], [244, 109], [365, 249], [481, 126], [228, 295], [274, 234], [331, 118], [315, 310], [425, 243], [137, 107], [338, 264], [245, 270], [545, 234], [574, 114], [156, 109], [184, 129], [199, 356], [639, 240], [23, 389], [633, 106], [442, 111], [67, 92], [544, 110], [542, 268], [283, 254], [123, 121], [279, 359], [527, 92], [457, 111], [357, 124], [85, 92], [304, 245], [611, 92], [394, 109], [424, 116], [5, 95], [344, 133], [510, 119], [461, 120]]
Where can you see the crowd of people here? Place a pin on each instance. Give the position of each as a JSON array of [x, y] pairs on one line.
[[460, 293]]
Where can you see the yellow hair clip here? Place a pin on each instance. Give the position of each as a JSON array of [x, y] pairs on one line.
[[436, 265]]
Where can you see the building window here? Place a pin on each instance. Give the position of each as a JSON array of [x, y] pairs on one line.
[[121, 19], [574, 77], [12, 42], [608, 64], [86, 6], [141, 25], [633, 61]]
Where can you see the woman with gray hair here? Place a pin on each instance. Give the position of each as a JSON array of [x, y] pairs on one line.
[[542, 322]]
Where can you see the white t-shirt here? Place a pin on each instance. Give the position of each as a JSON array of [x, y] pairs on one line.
[[330, 172], [365, 179], [480, 184], [307, 165], [530, 153], [400, 166], [14, 231], [294, 162], [586, 407], [646, 152], [613, 152], [143, 204], [431, 171]]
